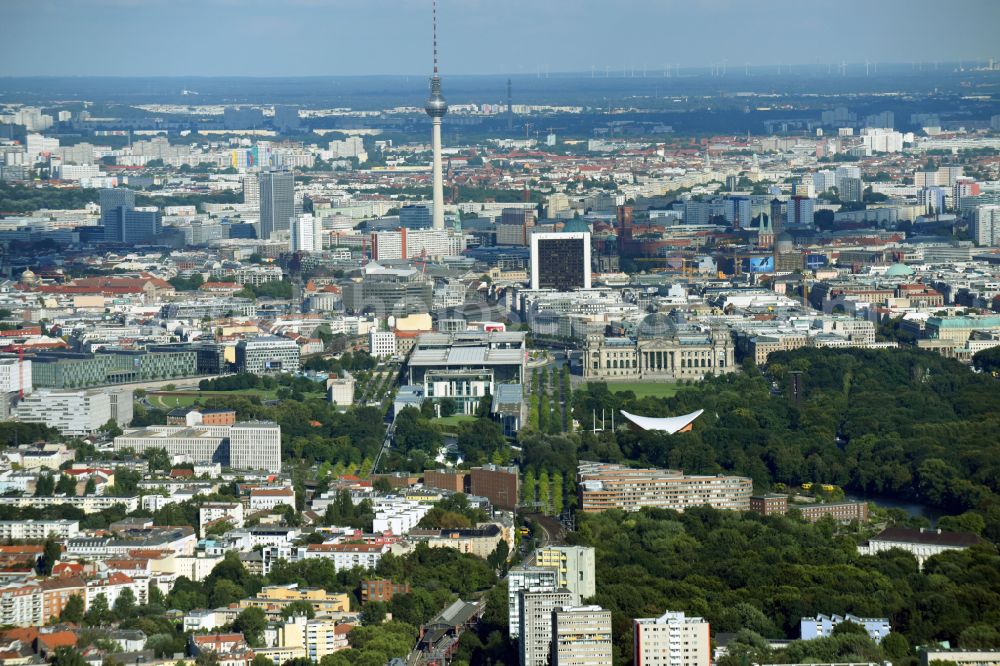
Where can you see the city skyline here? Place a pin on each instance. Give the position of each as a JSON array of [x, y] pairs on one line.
[[520, 38]]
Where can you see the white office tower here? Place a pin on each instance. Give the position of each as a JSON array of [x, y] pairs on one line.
[[671, 640], [251, 190], [581, 636], [72, 413], [524, 578], [15, 375], [535, 641], [307, 234], [986, 228], [436, 107]]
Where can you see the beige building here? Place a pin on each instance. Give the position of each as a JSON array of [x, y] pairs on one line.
[[606, 486], [274, 599], [671, 640], [535, 640], [581, 636], [665, 348]]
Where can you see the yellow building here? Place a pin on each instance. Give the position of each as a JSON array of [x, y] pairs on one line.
[[274, 599], [298, 637]]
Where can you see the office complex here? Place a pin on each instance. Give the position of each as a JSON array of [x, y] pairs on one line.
[[535, 640], [112, 201], [671, 640], [123, 223], [76, 413], [416, 244], [607, 486], [415, 217], [61, 369], [436, 107], [307, 234], [266, 354], [581, 636], [277, 202], [389, 291], [466, 366], [560, 261], [249, 445]]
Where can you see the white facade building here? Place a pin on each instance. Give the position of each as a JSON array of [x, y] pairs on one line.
[[581, 636], [381, 343], [822, 626], [986, 226], [307, 234], [15, 374], [70, 412]]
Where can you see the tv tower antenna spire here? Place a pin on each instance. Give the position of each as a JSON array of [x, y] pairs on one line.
[[436, 107]]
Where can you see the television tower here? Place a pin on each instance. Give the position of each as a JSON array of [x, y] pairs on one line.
[[436, 107]]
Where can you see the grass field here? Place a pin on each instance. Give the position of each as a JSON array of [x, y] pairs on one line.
[[645, 389], [168, 401], [454, 419]]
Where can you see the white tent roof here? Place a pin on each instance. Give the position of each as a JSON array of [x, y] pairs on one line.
[[670, 424]]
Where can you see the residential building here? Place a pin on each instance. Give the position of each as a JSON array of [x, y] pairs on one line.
[[822, 626], [607, 486], [528, 578], [575, 565], [38, 530], [536, 608], [581, 636], [382, 590], [15, 374], [560, 261], [671, 639], [307, 234], [268, 499]]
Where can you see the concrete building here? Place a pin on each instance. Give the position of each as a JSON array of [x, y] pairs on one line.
[[500, 485], [527, 578], [307, 234], [249, 445], [277, 202], [38, 530], [15, 374], [575, 565], [822, 626], [671, 640], [467, 365], [340, 390], [560, 261], [607, 486], [266, 354], [535, 639], [986, 226], [581, 636], [75, 413]]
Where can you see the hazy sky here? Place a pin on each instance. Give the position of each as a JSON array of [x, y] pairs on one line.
[[345, 37]]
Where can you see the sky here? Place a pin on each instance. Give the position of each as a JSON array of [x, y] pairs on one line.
[[369, 37]]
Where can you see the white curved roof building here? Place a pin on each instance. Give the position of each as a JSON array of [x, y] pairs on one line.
[[669, 425]]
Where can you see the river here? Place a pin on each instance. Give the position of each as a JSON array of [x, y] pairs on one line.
[[911, 508]]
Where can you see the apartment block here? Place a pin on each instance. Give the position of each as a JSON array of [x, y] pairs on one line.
[[581, 636], [605, 486], [535, 640], [671, 640]]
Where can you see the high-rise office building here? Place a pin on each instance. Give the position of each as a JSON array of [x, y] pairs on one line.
[[277, 202], [251, 190], [671, 640], [535, 641], [140, 227], [415, 217], [307, 234], [581, 636], [436, 107], [560, 261], [113, 201]]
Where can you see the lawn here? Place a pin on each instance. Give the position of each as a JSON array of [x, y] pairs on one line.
[[168, 401], [646, 389], [454, 420]]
